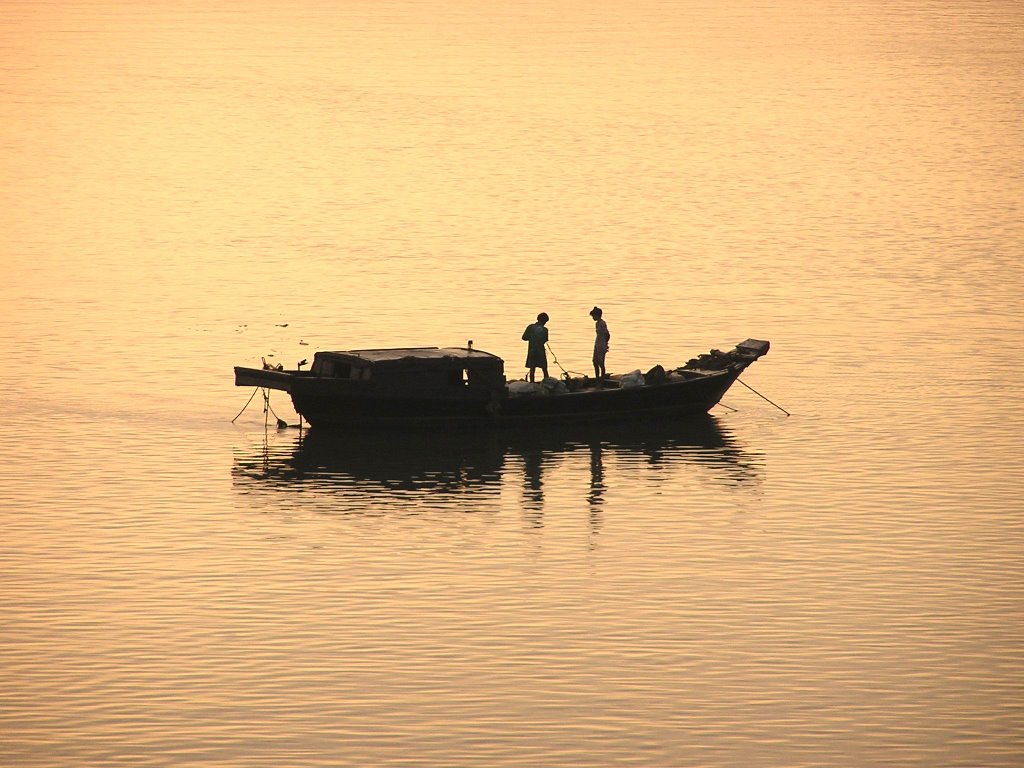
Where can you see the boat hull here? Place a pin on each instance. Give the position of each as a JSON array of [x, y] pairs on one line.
[[341, 406], [670, 399]]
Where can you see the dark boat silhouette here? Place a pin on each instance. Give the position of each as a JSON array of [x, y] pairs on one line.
[[467, 387]]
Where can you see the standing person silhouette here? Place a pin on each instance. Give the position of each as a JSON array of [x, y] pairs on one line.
[[601, 339], [537, 336]]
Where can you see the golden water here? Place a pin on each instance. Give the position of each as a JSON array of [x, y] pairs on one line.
[[188, 186]]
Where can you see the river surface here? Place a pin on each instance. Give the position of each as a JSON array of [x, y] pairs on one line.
[[189, 186]]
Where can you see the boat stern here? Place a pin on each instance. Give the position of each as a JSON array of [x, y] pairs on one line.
[[266, 378]]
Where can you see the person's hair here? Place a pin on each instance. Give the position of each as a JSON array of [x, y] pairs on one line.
[[542, 317], [596, 312]]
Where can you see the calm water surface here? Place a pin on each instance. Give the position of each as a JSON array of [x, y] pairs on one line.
[[189, 186]]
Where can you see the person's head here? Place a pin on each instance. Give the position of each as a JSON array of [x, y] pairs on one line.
[[596, 313], [542, 318]]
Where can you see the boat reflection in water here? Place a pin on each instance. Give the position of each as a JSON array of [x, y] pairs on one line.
[[363, 472]]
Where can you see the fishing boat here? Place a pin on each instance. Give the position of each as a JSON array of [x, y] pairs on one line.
[[467, 386]]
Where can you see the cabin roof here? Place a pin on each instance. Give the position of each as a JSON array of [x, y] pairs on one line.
[[415, 353]]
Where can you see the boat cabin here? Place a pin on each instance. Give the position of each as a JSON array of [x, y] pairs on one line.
[[431, 369]]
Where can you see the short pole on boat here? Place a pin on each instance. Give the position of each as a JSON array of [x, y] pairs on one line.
[[281, 423], [763, 397]]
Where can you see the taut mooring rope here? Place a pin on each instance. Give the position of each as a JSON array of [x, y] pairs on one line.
[[763, 397]]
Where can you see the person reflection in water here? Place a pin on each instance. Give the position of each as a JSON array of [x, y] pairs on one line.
[[537, 336], [603, 336], [596, 496], [533, 488]]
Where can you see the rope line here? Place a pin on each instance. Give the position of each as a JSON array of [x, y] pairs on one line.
[[247, 404], [555, 358], [763, 397], [266, 408]]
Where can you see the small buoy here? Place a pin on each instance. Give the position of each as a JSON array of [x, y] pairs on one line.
[[282, 424]]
